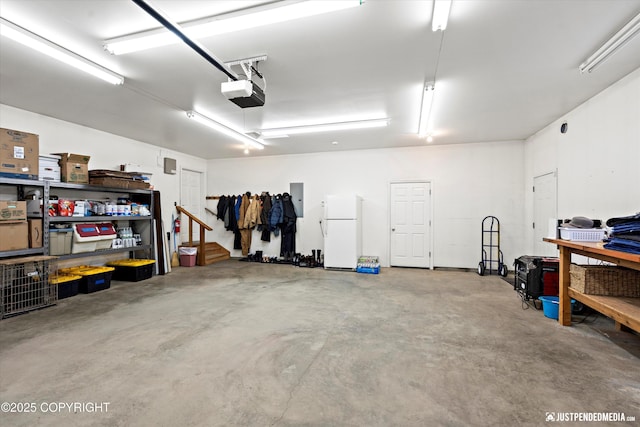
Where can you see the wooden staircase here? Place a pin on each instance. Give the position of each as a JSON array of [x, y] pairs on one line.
[[208, 252], [212, 253]]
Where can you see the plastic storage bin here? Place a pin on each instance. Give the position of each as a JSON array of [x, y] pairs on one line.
[[188, 256], [60, 241], [85, 238], [94, 279], [132, 270], [67, 284], [107, 235]]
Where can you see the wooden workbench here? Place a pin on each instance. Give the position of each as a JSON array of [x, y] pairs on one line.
[[625, 311]]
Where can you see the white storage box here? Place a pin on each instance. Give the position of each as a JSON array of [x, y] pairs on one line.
[[582, 234], [85, 238], [48, 168]]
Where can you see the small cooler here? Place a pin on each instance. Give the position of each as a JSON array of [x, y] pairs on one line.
[[132, 270]]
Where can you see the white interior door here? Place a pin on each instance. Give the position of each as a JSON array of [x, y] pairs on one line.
[[191, 198], [410, 224], [545, 211]]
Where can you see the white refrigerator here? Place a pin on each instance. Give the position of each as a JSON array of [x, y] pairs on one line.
[[342, 229]]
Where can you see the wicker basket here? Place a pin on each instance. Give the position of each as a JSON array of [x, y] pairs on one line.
[[605, 280]]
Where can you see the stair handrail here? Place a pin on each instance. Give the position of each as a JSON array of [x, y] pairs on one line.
[[203, 227]]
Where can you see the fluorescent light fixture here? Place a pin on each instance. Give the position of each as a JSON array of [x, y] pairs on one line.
[[618, 40], [324, 127], [34, 41], [237, 135], [440, 15], [235, 21], [425, 113]]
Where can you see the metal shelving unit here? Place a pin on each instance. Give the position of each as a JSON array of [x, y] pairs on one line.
[[106, 252], [48, 186]]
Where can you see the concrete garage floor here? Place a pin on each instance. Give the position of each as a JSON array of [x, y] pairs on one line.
[[242, 344]]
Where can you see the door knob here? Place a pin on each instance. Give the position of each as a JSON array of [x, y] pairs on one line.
[[393, 229]]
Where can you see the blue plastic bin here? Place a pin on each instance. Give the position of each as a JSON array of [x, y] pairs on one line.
[[550, 306]]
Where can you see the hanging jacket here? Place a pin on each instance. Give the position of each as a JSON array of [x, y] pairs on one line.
[[229, 213], [265, 212], [237, 207], [276, 214], [252, 213], [222, 207], [288, 214], [244, 206]]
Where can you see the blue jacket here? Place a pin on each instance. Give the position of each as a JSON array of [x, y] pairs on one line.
[[237, 207], [277, 215]]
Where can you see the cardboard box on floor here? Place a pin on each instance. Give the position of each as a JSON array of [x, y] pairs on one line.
[[74, 168], [15, 235], [19, 154], [13, 211]]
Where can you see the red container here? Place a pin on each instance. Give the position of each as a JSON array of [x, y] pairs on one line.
[[550, 283], [187, 260], [187, 256]]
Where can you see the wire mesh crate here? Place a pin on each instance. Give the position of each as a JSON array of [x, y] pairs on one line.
[[25, 284]]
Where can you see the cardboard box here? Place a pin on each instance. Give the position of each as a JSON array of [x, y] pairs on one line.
[[13, 211], [15, 235], [35, 233], [19, 153], [49, 168], [74, 168]]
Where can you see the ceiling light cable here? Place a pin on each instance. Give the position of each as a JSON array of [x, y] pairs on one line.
[[193, 44], [251, 17]]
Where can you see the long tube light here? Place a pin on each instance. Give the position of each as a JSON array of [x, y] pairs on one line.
[[237, 135], [236, 21], [425, 113], [42, 45], [440, 16], [618, 40], [324, 127]]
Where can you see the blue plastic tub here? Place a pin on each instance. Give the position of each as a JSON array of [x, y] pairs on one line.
[[550, 306]]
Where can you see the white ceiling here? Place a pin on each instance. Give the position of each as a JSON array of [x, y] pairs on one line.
[[506, 69]]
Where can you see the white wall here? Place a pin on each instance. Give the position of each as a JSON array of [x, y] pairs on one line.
[[107, 151], [598, 159], [598, 164], [469, 182]]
